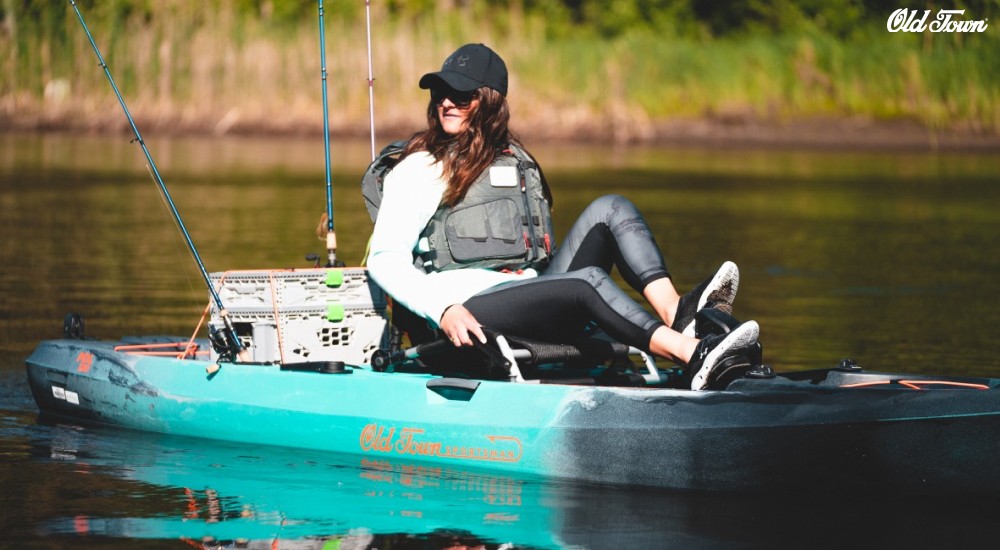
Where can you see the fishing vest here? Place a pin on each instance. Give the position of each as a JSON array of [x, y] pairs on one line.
[[502, 222]]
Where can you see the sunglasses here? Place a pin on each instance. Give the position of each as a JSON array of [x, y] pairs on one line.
[[460, 99]]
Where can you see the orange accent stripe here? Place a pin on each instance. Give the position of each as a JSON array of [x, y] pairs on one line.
[[129, 347], [166, 353], [918, 384], [190, 349]]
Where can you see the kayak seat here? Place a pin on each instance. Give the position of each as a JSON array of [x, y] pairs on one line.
[[607, 362], [593, 360]]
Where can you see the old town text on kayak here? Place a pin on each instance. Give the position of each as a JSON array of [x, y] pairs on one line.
[[410, 441]]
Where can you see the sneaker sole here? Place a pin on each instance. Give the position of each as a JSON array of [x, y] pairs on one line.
[[743, 337], [720, 290]]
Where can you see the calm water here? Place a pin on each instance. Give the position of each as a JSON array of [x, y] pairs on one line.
[[887, 258]]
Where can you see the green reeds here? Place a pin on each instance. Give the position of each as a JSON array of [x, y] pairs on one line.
[[216, 67]]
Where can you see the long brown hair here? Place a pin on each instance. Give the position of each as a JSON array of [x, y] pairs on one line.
[[465, 156]]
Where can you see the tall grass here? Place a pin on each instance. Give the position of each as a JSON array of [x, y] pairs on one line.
[[193, 66]]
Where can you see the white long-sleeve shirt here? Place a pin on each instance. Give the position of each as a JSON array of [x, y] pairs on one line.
[[411, 195]]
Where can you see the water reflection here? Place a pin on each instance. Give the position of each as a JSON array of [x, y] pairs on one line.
[[209, 491], [90, 484]]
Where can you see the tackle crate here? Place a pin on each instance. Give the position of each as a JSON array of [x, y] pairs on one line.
[[298, 287], [304, 315]]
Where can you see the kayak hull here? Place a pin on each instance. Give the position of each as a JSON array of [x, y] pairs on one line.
[[796, 432]]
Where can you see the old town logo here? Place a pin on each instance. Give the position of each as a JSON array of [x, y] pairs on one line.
[[904, 20], [413, 442]]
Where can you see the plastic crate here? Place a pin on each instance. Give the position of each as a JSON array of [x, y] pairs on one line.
[[300, 287], [304, 315]]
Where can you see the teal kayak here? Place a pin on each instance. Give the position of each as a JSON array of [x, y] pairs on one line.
[[835, 430]]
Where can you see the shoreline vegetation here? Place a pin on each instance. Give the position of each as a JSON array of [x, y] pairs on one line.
[[634, 71]]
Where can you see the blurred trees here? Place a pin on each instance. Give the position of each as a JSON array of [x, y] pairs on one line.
[[636, 62], [715, 18]]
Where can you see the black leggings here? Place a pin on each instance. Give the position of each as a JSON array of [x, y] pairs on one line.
[[576, 289]]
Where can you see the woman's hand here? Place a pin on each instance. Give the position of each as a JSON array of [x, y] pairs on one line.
[[458, 323]]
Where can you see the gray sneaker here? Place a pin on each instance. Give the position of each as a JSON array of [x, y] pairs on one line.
[[713, 350], [717, 292]]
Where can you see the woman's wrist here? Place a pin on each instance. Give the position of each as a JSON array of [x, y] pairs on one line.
[[446, 310]]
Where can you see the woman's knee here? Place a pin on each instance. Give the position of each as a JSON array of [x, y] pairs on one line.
[[609, 207], [610, 201]]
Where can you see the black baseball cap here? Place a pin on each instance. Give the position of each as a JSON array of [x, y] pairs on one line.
[[472, 66]]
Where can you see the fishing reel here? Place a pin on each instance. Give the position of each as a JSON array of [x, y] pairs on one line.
[[226, 342], [220, 343]]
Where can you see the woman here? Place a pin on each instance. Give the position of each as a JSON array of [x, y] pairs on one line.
[[467, 131]]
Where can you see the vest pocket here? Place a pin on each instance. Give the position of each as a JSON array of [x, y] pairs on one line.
[[486, 230]]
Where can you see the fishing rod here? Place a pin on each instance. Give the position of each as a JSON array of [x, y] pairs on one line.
[[230, 341], [371, 77], [331, 235]]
